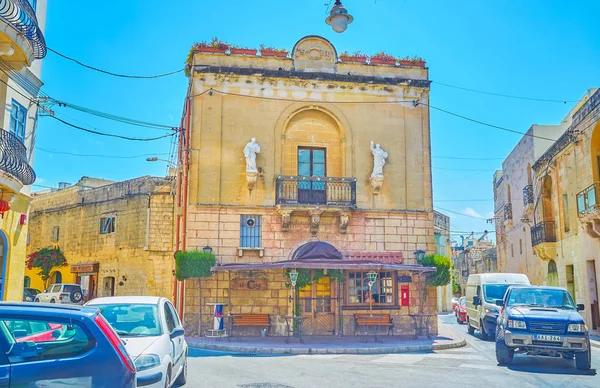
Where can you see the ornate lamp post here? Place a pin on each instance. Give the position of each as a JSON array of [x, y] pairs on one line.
[[372, 278], [293, 280], [339, 18]]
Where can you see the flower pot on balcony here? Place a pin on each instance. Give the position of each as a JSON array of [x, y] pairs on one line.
[[243, 51], [354, 59], [210, 50], [379, 61], [273, 53], [404, 62]]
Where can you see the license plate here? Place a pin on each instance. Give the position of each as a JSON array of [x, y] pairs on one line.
[[552, 338]]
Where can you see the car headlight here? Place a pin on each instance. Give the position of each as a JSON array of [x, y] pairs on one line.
[[28, 299], [491, 310], [514, 324], [146, 361], [577, 327]]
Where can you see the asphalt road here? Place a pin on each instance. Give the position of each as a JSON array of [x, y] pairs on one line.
[[471, 366]]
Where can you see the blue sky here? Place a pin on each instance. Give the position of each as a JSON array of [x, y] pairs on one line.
[[544, 49]]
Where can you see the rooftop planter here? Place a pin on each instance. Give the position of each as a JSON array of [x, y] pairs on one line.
[[414, 61], [273, 52], [383, 59], [214, 46], [357, 57], [242, 51]]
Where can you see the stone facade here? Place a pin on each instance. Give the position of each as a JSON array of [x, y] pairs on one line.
[[135, 259], [306, 102]]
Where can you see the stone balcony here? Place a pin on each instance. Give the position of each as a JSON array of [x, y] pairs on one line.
[[314, 196], [588, 209], [21, 40], [543, 239], [15, 171]]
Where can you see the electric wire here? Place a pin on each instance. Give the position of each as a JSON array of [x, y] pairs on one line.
[[462, 214], [99, 155], [502, 95]]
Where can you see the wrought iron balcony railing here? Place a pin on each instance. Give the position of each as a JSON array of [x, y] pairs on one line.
[[508, 212], [588, 199], [543, 232], [586, 109], [312, 190], [21, 16], [528, 195], [13, 158]]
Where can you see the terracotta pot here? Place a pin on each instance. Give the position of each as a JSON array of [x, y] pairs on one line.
[[271, 53], [405, 63], [243, 51], [210, 50], [411, 63], [378, 61], [354, 59], [420, 64]]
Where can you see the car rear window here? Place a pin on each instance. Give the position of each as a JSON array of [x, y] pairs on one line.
[[44, 339], [70, 287]]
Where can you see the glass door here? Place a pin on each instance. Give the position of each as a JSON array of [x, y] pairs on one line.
[[316, 304], [312, 163]]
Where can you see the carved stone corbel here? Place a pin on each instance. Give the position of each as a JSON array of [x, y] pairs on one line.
[[286, 219], [344, 221], [315, 220], [376, 183], [251, 179]]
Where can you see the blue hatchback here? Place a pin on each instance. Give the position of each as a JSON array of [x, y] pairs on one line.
[[51, 345]]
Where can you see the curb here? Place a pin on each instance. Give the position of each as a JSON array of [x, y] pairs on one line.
[[288, 351], [594, 343]]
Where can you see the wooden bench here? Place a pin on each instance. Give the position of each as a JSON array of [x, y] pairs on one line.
[[247, 320], [372, 324]]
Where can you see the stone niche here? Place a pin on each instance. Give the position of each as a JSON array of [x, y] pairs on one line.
[[314, 53]]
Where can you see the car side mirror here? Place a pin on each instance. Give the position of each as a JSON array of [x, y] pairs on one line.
[[499, 302], [476, 300], [177, 332], [580, 307]]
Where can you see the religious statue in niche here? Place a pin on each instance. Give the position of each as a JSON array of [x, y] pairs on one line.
[[250, 151], [379, 157]]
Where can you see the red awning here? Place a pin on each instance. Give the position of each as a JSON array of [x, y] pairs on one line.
[[324, 264]]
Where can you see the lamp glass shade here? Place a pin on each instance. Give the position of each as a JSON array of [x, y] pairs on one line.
[[372, 276], [339, 22], [293, 276], [207, 249]]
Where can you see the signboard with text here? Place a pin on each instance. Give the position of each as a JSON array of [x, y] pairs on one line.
[[84, 268], [248, 284]]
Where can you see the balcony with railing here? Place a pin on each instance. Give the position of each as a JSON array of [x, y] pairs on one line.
[[508, 215], [528, 195], [20, 34], [588, 209], [543, 239], [315, 195], [15, 170]]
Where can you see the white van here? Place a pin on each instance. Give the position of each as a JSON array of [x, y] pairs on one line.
[[482, 292]]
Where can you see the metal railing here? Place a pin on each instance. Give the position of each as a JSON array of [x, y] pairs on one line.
[[528, 195], [543, 232], [21, 16], [13, 158], [508, 212], [588, 199], [312, 190], [586, 109]]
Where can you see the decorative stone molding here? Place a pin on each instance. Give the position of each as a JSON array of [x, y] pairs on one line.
[[251, 178], [590, 223], [344, 221], [376, 183], [315, 220], [286, 219]]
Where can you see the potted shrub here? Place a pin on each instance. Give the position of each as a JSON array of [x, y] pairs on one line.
[[214, 46], [242, 50], [414, 61], [272, 52], [356, 57], [383, 59]]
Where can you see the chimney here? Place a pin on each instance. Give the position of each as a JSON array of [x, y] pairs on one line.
[[63, 185]]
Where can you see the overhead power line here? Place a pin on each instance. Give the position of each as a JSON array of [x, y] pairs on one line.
[[502, 95], [461, 158], [462, 214], [98, 155], [112, 73]]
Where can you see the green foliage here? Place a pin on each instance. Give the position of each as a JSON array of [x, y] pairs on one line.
[[443, 265], [193, 264], [46, 259]]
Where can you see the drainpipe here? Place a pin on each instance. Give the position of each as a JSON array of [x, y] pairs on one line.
[[185, 188]]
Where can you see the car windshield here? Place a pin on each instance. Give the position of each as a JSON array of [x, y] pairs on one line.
[[32, 291], [133, 320], [492, 292], [542, 297]]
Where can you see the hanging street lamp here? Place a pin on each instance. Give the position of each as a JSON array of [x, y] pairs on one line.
[[293, 280], [339, 18], [372, 278]]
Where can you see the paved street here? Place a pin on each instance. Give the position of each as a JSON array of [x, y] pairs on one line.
[[474, 363]]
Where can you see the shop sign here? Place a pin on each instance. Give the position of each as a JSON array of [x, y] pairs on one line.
[[249, 284], [405, 279], [84, 268]]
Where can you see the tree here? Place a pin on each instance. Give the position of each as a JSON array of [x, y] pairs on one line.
[[440, 277]]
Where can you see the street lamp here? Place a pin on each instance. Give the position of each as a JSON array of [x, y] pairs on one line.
[[419, 255], [372, 278], [339, 18], [293, 280], [207, 249], [155, 159]]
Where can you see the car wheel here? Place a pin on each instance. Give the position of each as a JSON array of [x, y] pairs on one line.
[[583, 361], [37, 300], [504, 354], [168, 377], [52, 301], [182, 378], [484, 335], [457, 320], [470, 329]]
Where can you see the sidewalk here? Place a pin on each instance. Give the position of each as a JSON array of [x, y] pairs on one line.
[[595, 340], [330, 345]]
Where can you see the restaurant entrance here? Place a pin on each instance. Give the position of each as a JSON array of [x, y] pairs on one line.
[[318, 304]]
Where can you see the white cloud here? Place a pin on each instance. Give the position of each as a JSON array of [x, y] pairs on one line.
[[470, 212]]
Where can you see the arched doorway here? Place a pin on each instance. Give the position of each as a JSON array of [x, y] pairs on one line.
[[26, 282], [552, 274], [4, 261], [547, 208], [108, 288], [56, 277]]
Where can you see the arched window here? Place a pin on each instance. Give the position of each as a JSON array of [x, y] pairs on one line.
[[595, 152], [552, 273], [508, 194], [26, 282], [547, 208], [56, 277]]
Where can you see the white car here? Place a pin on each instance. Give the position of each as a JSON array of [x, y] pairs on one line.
[[61, 293], [153, 337]]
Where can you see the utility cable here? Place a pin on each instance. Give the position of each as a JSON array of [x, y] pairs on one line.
[[462, 214], [115, 74], [98, 155], [501, 95]]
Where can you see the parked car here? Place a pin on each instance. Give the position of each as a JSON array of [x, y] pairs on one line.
[[29, 294], [454, 303], [153, 335], [461, 310], [61, 293], [482, 292], [45, 345], [542, 321]]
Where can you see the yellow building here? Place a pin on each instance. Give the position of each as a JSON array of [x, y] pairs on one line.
[[117, 237], [22, 47], [324, 126]]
